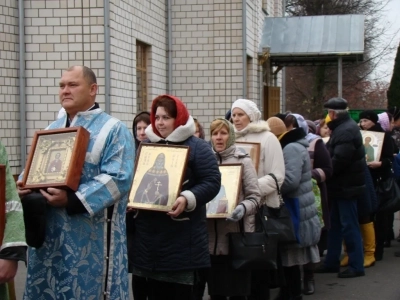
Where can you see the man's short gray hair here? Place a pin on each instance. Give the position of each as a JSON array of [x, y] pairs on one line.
[[88, 74], [340, 112]]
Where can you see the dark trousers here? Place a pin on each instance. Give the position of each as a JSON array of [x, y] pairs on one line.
[[260, 285], [292, 290], [344, 226], [139, 287], [161, 290], [225, 282], [201, 284], [389, 227], [380, 226]]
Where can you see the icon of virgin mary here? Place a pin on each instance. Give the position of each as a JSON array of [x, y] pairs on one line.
[[153, 189]]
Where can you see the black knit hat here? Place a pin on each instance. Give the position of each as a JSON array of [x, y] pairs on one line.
[[369, 115]]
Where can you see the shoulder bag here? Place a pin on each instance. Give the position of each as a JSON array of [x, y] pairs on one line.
[[278, 219], [253, 250], [388, 193]]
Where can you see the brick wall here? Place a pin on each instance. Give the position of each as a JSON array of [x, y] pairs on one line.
[[207, 56], [133, 21], [59, 34], [9, 94], [207, 51]]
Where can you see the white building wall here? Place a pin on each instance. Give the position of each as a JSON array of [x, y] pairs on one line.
[[132, 21], [9, 94], [207, 53], [59, 34]]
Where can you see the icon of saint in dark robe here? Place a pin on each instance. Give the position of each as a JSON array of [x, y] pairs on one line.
[[153, 189], [218, 205], [55, 165]]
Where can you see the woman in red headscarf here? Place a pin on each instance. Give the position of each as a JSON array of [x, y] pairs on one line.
[[169, 248]]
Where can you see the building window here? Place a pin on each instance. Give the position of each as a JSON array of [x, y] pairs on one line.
[[141, 76]]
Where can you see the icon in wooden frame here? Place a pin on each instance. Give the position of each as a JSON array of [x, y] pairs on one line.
[[373, 142], [159, 172], [252, 149], [226, 200], [56, 158]]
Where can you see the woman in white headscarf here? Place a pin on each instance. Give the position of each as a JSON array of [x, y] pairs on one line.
[[249, 128]]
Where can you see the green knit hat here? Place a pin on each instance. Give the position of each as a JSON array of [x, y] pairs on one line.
[[216, 124]]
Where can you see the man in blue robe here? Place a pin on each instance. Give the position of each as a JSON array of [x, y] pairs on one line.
[[84, 253]]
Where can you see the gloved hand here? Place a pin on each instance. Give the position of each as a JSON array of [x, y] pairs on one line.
[[237, 214]]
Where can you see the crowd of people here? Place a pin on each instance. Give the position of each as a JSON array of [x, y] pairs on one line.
[[85, 242]]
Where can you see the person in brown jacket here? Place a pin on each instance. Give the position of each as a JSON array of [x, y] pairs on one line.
[[224, 282]]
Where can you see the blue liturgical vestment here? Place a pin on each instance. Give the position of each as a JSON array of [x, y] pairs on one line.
[[75, 261]]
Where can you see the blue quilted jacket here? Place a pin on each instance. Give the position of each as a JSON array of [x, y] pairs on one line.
[[161, 243]]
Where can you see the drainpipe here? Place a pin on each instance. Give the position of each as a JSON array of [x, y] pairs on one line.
[[107, 54], [244, 42], [283, 105], [261, 83], [340, 77], [22, 104], [169, 37]]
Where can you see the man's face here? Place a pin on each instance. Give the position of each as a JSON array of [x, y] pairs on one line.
[[75, 93], [332, 114]]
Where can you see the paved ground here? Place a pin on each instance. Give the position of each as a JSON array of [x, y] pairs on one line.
[[381, 281]]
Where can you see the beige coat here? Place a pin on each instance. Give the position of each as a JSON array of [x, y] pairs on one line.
[[271, 159], [220, 227]]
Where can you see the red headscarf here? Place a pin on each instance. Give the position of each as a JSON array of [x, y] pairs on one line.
[[182, 114]]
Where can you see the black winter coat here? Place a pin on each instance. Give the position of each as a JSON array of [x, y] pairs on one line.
[[348, 160], [161, 243]]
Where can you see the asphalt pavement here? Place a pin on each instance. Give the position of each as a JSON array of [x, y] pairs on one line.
[[381, 281]]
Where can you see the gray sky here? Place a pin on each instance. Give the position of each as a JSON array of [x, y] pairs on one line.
[[392, 15]]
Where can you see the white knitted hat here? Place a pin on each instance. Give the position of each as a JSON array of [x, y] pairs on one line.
[[249, 107]]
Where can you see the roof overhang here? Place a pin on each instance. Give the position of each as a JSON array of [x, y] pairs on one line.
[[313, 40]]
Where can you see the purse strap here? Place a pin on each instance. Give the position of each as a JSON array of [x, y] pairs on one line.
[[257, 215], [277, 188]]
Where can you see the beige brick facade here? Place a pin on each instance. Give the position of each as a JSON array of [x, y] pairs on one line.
[[9, 94], [207, 56]]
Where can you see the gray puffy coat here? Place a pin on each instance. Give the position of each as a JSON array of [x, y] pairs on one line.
[[298, 184]]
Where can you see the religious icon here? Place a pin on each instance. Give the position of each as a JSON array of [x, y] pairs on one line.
[[55, 164], [226, 200], [218, 205], [159, 171], [56, 158], [153, 188], [251, 149], [373, 142]]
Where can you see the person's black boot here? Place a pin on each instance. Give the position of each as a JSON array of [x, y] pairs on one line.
[[308, 281], [283, 294], [378, 253], [309, 286]]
